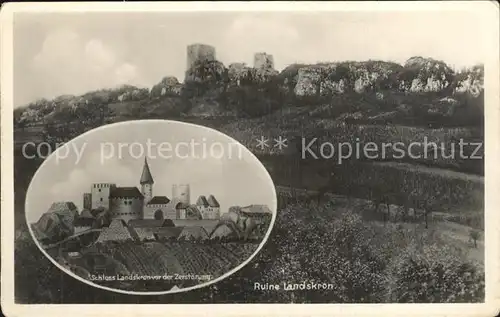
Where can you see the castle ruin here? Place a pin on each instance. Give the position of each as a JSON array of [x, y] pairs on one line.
[[199, 52], [263, 61]]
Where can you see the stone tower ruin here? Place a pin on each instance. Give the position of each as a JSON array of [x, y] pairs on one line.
[[263, 61], [199, 52]]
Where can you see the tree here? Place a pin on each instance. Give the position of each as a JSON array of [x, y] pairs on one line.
[[380, 197], [474, 236], [437, 276]]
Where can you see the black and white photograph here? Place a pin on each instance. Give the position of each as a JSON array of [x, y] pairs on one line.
[[237, 154], [184, 218]]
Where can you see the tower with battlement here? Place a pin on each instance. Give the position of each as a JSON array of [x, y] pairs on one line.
[[199, 52], [100, 195]]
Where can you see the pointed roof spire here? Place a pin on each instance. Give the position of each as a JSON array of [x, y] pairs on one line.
[[146, 177]]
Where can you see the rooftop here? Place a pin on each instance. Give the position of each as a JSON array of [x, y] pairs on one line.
[[150, 223], [159, 200], [125, 192], [212, 202], [202, 201], [146, 177]]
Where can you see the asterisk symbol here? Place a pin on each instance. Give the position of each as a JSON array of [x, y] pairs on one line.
[[262, 142], [280, 142]]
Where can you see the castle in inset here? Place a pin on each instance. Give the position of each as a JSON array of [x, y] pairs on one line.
[[130, 203]]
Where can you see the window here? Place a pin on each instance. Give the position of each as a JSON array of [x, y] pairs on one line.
[[101, 198], [99, 190]]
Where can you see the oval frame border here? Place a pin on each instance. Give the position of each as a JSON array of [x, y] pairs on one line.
[[181, 290]]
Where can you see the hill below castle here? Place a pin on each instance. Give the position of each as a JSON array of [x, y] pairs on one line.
[[422, 85]]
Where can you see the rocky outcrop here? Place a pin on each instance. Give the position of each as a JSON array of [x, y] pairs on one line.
[[339, 78], [57, 223], [167, 86], [418, 75], [134, 95], [470, 81], [206, 72], [238, 73], [309, 81], [426, 75]]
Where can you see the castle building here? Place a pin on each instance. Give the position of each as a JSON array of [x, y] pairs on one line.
[[100, 195], [126, 203], [130, 203]]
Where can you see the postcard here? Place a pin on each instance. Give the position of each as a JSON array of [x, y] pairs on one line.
[[250, 158]]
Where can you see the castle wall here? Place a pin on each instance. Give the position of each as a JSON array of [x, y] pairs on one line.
[[100, 195], [87, 201], [215, 212], [181, 193], [126, 208], [209, 212], [182, 214], [169, 211], [199, 52]]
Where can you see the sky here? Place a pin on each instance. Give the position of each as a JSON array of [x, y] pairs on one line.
[[73, 53], [216, 166]]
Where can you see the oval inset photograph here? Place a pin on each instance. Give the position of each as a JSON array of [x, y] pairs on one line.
[[151, 207]]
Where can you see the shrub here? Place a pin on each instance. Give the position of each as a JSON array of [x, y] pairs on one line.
[[437, 275]]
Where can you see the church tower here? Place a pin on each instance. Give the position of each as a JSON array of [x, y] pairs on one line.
[[146, 182]]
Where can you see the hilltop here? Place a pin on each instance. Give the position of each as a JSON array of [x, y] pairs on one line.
[[380, 90]]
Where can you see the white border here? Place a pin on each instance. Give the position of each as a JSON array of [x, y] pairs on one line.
[[488, 9], [269, 181]]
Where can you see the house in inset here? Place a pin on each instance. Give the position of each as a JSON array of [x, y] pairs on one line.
[[213, 207], [150, 223], [85, 221], [193, 213], [145, 234], [193, 234], [83, 224], [259, 213], [167, 233], [86, 214], [226, 230], [207, 224], [181, 209], [146, 229], [117, 231], [202, 205], [209, 208]]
